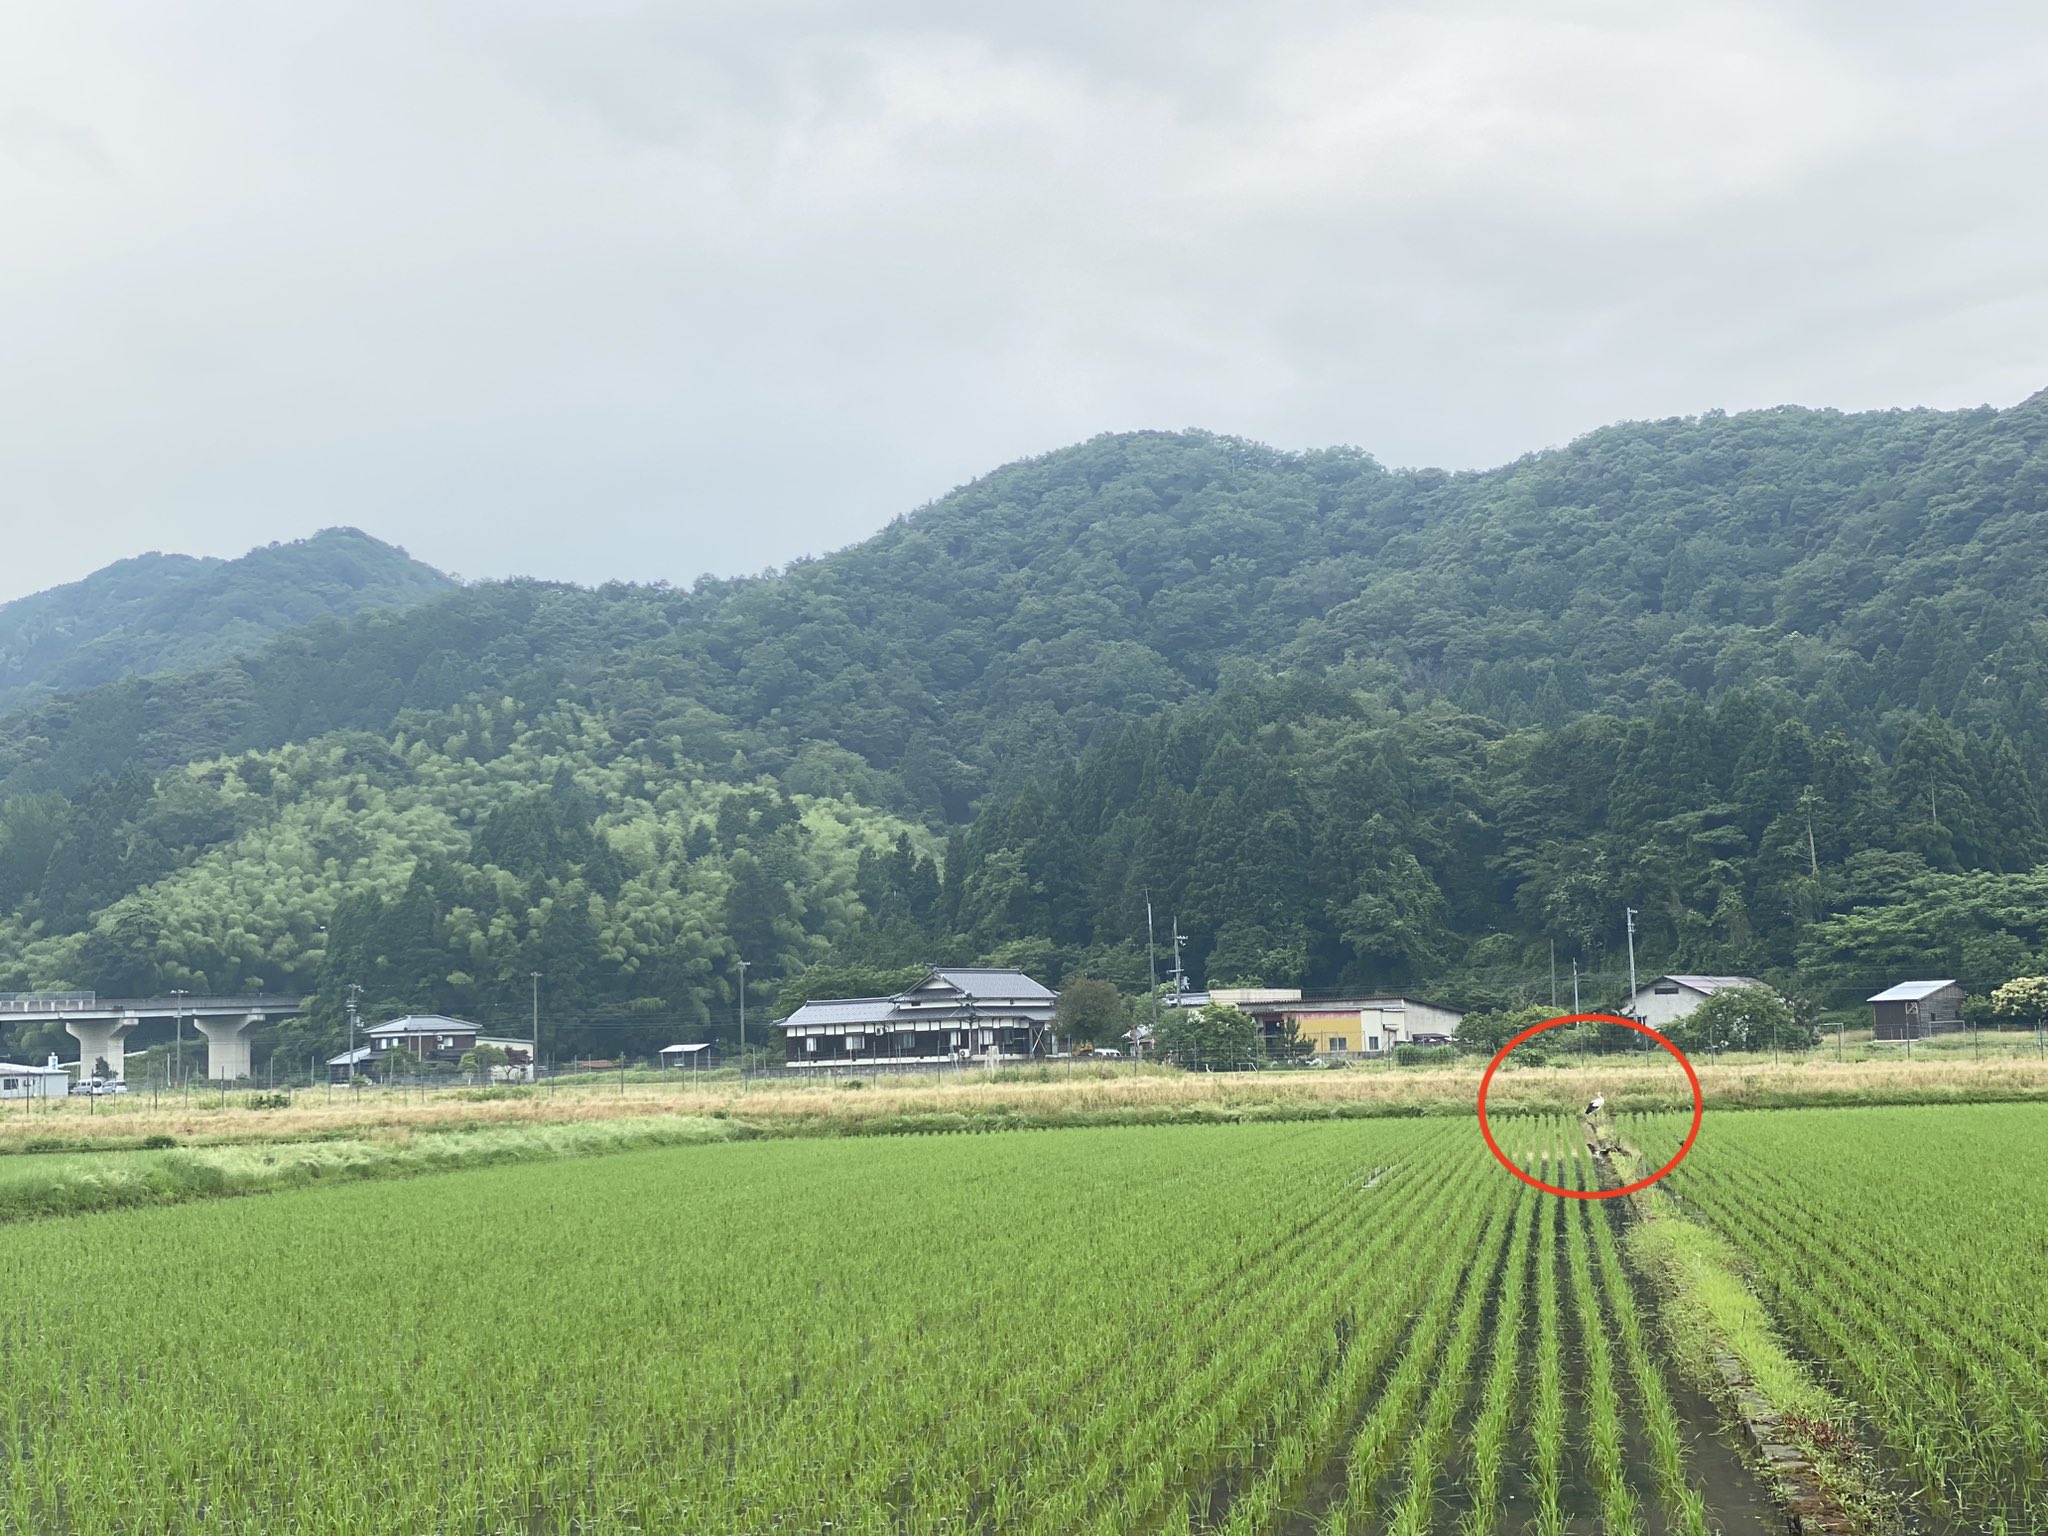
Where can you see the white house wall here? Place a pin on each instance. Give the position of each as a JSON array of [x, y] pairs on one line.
[[1658, 1009]]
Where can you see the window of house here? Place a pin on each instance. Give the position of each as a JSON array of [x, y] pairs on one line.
[[8, 1085], [1340, 1043], [1666, 989], [1373, 1043], [810, 1042]]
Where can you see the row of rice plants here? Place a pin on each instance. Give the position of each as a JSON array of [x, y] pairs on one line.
[[1547, 1419], [1902, 1247], [1374, 1325], [1503, 1377], [1618, 1513]]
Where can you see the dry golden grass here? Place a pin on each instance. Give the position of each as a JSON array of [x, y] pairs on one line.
[[1097, 1096]]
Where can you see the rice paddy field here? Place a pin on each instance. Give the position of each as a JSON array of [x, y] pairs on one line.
[[1904, 1250], [1294, 1328]]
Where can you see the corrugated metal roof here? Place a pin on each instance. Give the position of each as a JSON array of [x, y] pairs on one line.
[[15, 1069], [1709, 985], [1910, 991], [360, 1053]]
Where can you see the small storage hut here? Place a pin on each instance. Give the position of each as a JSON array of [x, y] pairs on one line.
[[1913, 1010]]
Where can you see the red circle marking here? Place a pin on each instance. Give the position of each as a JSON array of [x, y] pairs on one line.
[[1699, 1105]]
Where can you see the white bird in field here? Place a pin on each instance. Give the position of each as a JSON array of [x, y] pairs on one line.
[[1594, 1107]]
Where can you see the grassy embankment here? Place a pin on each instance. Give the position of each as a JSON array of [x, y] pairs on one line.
[[77, 1183]]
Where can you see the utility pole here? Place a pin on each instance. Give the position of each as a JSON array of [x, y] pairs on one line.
[[177, 1025], [1553, 976], [1575, 983], [1807, 800], [743, 964], [1179, 976], [533, 1064], [1152, 965], [355, 991], [1631, 911]]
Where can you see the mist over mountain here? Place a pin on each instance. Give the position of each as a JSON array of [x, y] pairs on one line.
[[1773, 678], [173, 613]]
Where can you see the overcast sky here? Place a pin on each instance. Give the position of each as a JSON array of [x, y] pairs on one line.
[[608, 289]]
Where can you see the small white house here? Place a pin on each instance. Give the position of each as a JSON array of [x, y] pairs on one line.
[[19, 1082], [1668, 999]]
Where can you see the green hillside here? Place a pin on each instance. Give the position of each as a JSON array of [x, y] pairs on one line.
[[1358, 726], [175, 613]]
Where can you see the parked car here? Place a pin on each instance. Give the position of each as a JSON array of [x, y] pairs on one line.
[[1106, 1050]]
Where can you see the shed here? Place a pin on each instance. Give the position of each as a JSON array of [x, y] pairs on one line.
[[1912, 1010], [690, 1058], [20, 1082], [348, 1064]]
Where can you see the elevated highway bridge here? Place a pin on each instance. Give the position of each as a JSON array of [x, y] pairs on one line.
[[100, 1025]]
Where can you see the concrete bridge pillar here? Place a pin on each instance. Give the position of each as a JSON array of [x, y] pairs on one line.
[[101, 1039], [227, 1046]]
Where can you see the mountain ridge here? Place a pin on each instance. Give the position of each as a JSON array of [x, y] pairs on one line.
[[155, 612], [1456, 711]]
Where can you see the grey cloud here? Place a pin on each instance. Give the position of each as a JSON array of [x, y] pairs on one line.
[[643, 289]]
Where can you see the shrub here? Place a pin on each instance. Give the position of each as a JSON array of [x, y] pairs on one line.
[[1424, 1055]]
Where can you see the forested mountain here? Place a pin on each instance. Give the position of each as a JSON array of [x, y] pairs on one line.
[[172, 613], [1356, 726]]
